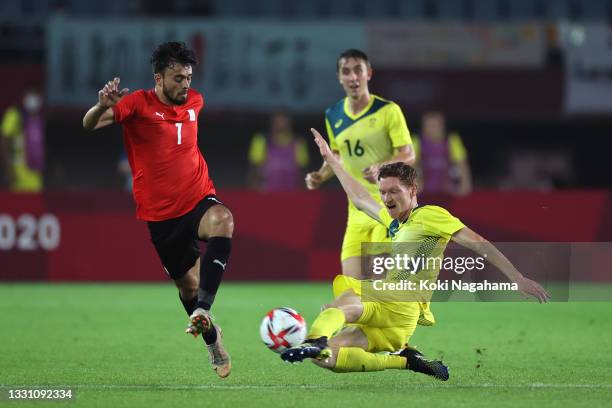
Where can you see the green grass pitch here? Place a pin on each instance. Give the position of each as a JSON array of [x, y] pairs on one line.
[[125, 346]]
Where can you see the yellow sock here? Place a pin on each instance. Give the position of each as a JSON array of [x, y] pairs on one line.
[[327, 323], [354, 359]]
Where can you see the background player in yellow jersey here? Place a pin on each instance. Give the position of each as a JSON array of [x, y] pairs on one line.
[[441, 157], [22, 148], [365, 131], [377, 324]]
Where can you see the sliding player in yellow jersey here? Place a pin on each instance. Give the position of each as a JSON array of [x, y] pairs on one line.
[[365, 131], [378, 324]]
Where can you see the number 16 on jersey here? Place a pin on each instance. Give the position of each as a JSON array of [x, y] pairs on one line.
[[358, 149]]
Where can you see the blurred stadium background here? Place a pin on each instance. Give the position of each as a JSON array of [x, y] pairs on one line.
[[526, 83]]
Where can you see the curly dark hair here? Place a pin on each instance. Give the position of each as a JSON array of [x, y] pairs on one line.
[[355, 54], [168, 53], [402, 171]]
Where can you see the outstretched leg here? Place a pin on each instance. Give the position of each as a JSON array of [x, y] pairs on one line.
[[347, 351], [216, 227], [346, 308], [349, 354]]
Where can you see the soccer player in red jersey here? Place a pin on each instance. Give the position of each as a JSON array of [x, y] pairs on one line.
[[172, 189]]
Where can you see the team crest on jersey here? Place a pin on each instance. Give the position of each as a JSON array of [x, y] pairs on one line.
[[192, 115], [372, 122], [393, 228], [338, 123]]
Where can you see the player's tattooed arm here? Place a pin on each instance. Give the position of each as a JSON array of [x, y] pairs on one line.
[[474, 241], [101, 114], [354, 190]]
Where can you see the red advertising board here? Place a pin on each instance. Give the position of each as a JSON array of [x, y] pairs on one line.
[[94, 236]]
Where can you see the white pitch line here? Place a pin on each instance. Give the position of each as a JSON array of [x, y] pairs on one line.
[[296, 386]]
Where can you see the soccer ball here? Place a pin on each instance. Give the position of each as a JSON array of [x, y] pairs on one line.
[[282, 328]]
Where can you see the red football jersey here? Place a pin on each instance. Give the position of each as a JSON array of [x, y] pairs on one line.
[[169, 172]]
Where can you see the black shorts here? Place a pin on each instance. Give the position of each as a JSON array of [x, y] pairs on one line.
[[176, 239]]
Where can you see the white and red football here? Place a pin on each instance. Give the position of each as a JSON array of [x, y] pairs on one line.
[[282, 328]]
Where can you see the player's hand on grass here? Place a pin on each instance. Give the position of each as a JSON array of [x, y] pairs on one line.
[[528, 287], [371, 173], [110, 94]]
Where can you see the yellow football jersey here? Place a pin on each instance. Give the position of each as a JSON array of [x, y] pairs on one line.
[[424, 234], [25, 178], [369, 137]]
